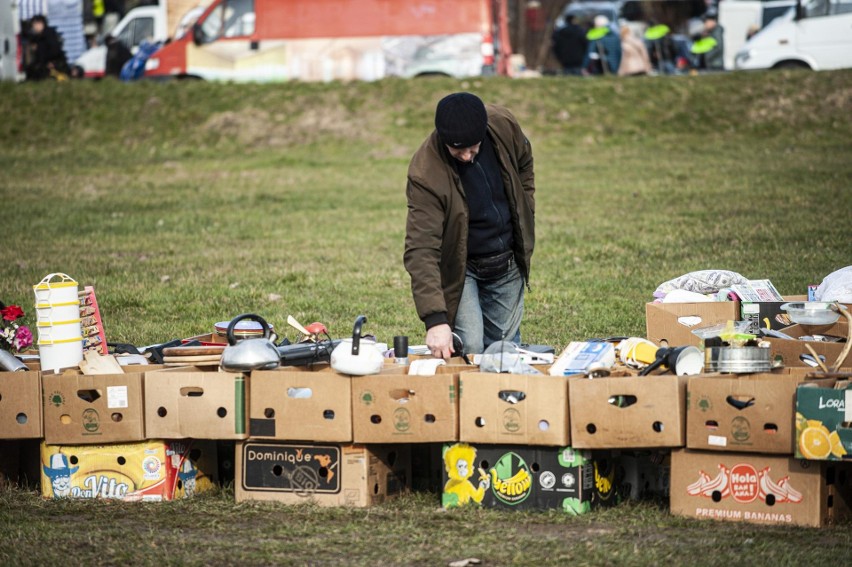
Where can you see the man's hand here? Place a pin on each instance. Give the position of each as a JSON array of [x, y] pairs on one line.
[[439, 339]]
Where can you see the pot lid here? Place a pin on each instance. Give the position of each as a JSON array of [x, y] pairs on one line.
[[244, 327]]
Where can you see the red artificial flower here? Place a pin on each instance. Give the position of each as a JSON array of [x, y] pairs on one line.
[[11, 313]]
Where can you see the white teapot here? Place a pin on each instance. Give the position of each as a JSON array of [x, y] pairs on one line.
[[357, 356]]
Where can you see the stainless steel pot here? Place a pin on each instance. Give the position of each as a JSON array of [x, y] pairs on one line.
[[742, 360]]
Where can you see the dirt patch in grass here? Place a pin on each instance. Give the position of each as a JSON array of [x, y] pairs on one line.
[[256, 127]]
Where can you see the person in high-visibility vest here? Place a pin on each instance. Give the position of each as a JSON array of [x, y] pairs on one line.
[[98, 13]]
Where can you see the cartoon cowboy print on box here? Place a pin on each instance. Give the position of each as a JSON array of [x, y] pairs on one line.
[[188, 474], [60, 475]]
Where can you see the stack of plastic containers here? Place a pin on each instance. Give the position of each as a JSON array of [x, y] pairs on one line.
[[60, 337]]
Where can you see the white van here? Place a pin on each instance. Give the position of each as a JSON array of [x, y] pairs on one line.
[[143, 22], [737, 17], [815, 34]]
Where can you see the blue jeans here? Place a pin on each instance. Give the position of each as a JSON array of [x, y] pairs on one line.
[[490, 310]]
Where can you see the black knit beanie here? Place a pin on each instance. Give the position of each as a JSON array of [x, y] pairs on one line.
[[461, 120]]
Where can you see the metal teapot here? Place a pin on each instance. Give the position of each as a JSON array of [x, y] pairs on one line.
[[249, 354], [355, 356]]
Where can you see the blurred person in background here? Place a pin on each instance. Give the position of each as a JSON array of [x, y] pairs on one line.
[[634, 55], [603, 56], [117, 55], [663, 53], [569, 46], [713, 60], [46, 58], [470, 230]]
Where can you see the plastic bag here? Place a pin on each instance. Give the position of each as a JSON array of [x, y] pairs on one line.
[[703, 281], [836, 286], [504, 357]]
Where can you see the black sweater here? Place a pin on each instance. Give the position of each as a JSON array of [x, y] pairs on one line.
[[490, 222]]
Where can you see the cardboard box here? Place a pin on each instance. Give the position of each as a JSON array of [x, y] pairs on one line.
[[790, 351], [643, 475], [674, 322], [148, 471], [628, 412], [823, 418], [20, 463], [300, 406], [748, 413], [518, 477], [514, 409], [21, 405], [327, 475], [759, 313], [192, 403], [400, 408], [758, 488], [96, 409]]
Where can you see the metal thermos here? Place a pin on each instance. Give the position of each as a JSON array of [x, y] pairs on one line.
[[400, 350]]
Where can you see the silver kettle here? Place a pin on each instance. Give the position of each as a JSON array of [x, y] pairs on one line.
[[249, 353]]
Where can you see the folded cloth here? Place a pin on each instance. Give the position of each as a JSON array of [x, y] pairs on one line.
[[425, 366]]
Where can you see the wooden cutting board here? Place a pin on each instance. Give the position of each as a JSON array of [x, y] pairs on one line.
[[192, 359], [193, 351]]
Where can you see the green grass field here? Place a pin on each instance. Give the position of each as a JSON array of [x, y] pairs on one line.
[[185, 204]]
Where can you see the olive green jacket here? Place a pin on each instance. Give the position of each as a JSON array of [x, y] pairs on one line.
[[436, 229]]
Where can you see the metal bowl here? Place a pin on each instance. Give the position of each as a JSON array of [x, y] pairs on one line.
[[811, 312]]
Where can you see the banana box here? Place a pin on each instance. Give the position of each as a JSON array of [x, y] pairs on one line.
[[759, 488], [519, 477], [146, 471]]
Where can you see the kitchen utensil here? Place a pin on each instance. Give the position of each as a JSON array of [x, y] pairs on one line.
[[737, 360], [296, 325], [400, 349], [310, 333], [205, 360], [684, 361], [302, 354], [458, 348], [819, 361], [250, 353], [244, 329], [356, 356], [193, 350], [811, 312], [9, 363]]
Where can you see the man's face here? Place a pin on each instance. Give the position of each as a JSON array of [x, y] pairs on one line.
[[464, 155], [38, 26], [61, 485]]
